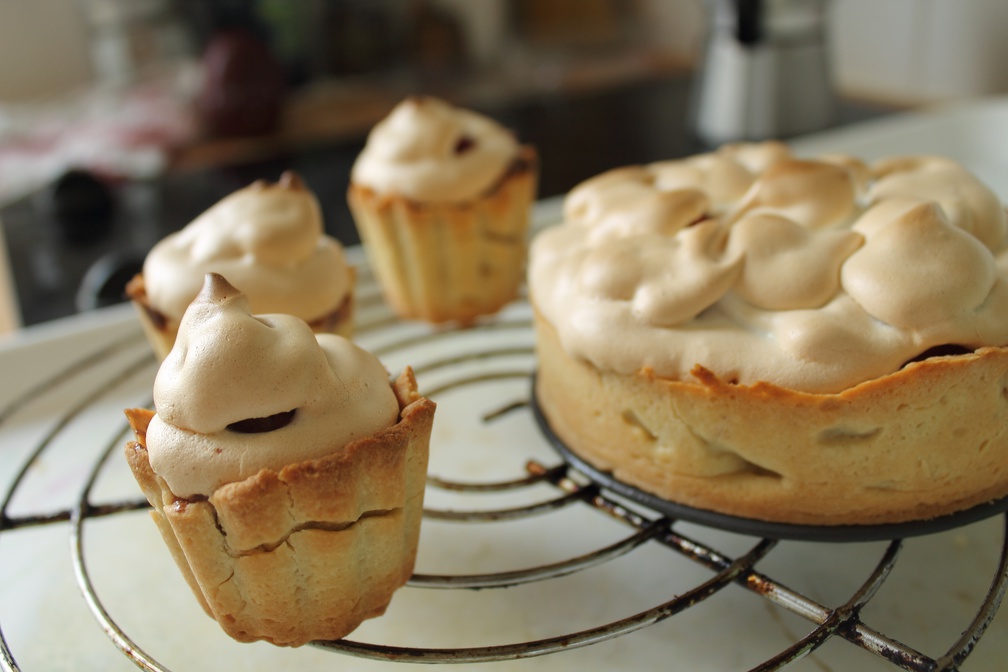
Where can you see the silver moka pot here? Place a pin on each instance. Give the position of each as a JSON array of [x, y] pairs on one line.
[[765, 71]]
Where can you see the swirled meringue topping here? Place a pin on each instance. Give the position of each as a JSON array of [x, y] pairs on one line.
[[429, 151], [268, 240], [239, 393], [814, 275]]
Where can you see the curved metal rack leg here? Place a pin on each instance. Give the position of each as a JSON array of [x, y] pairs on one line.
[[958, 652]]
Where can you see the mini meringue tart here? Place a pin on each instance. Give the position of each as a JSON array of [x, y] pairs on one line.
[[442, 200], [285, 471], [268, 239]]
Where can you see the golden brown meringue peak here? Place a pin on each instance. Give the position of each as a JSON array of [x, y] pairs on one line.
[[228, 368], [660, 212], [858, 171], [966, 201], [756, 156], [786, 266], [224, 359], [920, 270], [716, 174], [430, 151], [814, 194], [682, 275], [267, 239], [593, 198], [275, 224], [291, 180]]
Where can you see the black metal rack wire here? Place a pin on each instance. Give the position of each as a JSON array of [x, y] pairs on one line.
[[459, 367]]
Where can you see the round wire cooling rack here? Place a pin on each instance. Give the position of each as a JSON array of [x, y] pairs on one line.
[[524, 562]]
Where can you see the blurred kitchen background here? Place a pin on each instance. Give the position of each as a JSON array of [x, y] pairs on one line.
[[121, 120]]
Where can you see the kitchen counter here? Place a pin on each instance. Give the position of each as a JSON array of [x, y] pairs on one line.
[[111, 596]]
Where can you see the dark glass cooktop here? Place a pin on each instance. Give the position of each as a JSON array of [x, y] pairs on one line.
[[74, 252]]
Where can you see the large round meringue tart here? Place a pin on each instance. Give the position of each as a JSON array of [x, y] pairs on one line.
[[816, 342], [284, 469]]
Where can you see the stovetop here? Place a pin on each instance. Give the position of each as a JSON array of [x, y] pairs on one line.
[[63, 264]]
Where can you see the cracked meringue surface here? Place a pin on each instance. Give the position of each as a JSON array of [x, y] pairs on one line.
[[812, 274], [268, 240]]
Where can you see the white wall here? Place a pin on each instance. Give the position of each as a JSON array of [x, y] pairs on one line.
[[920, 50], [899, 51], [902, 51], [43, 48]]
